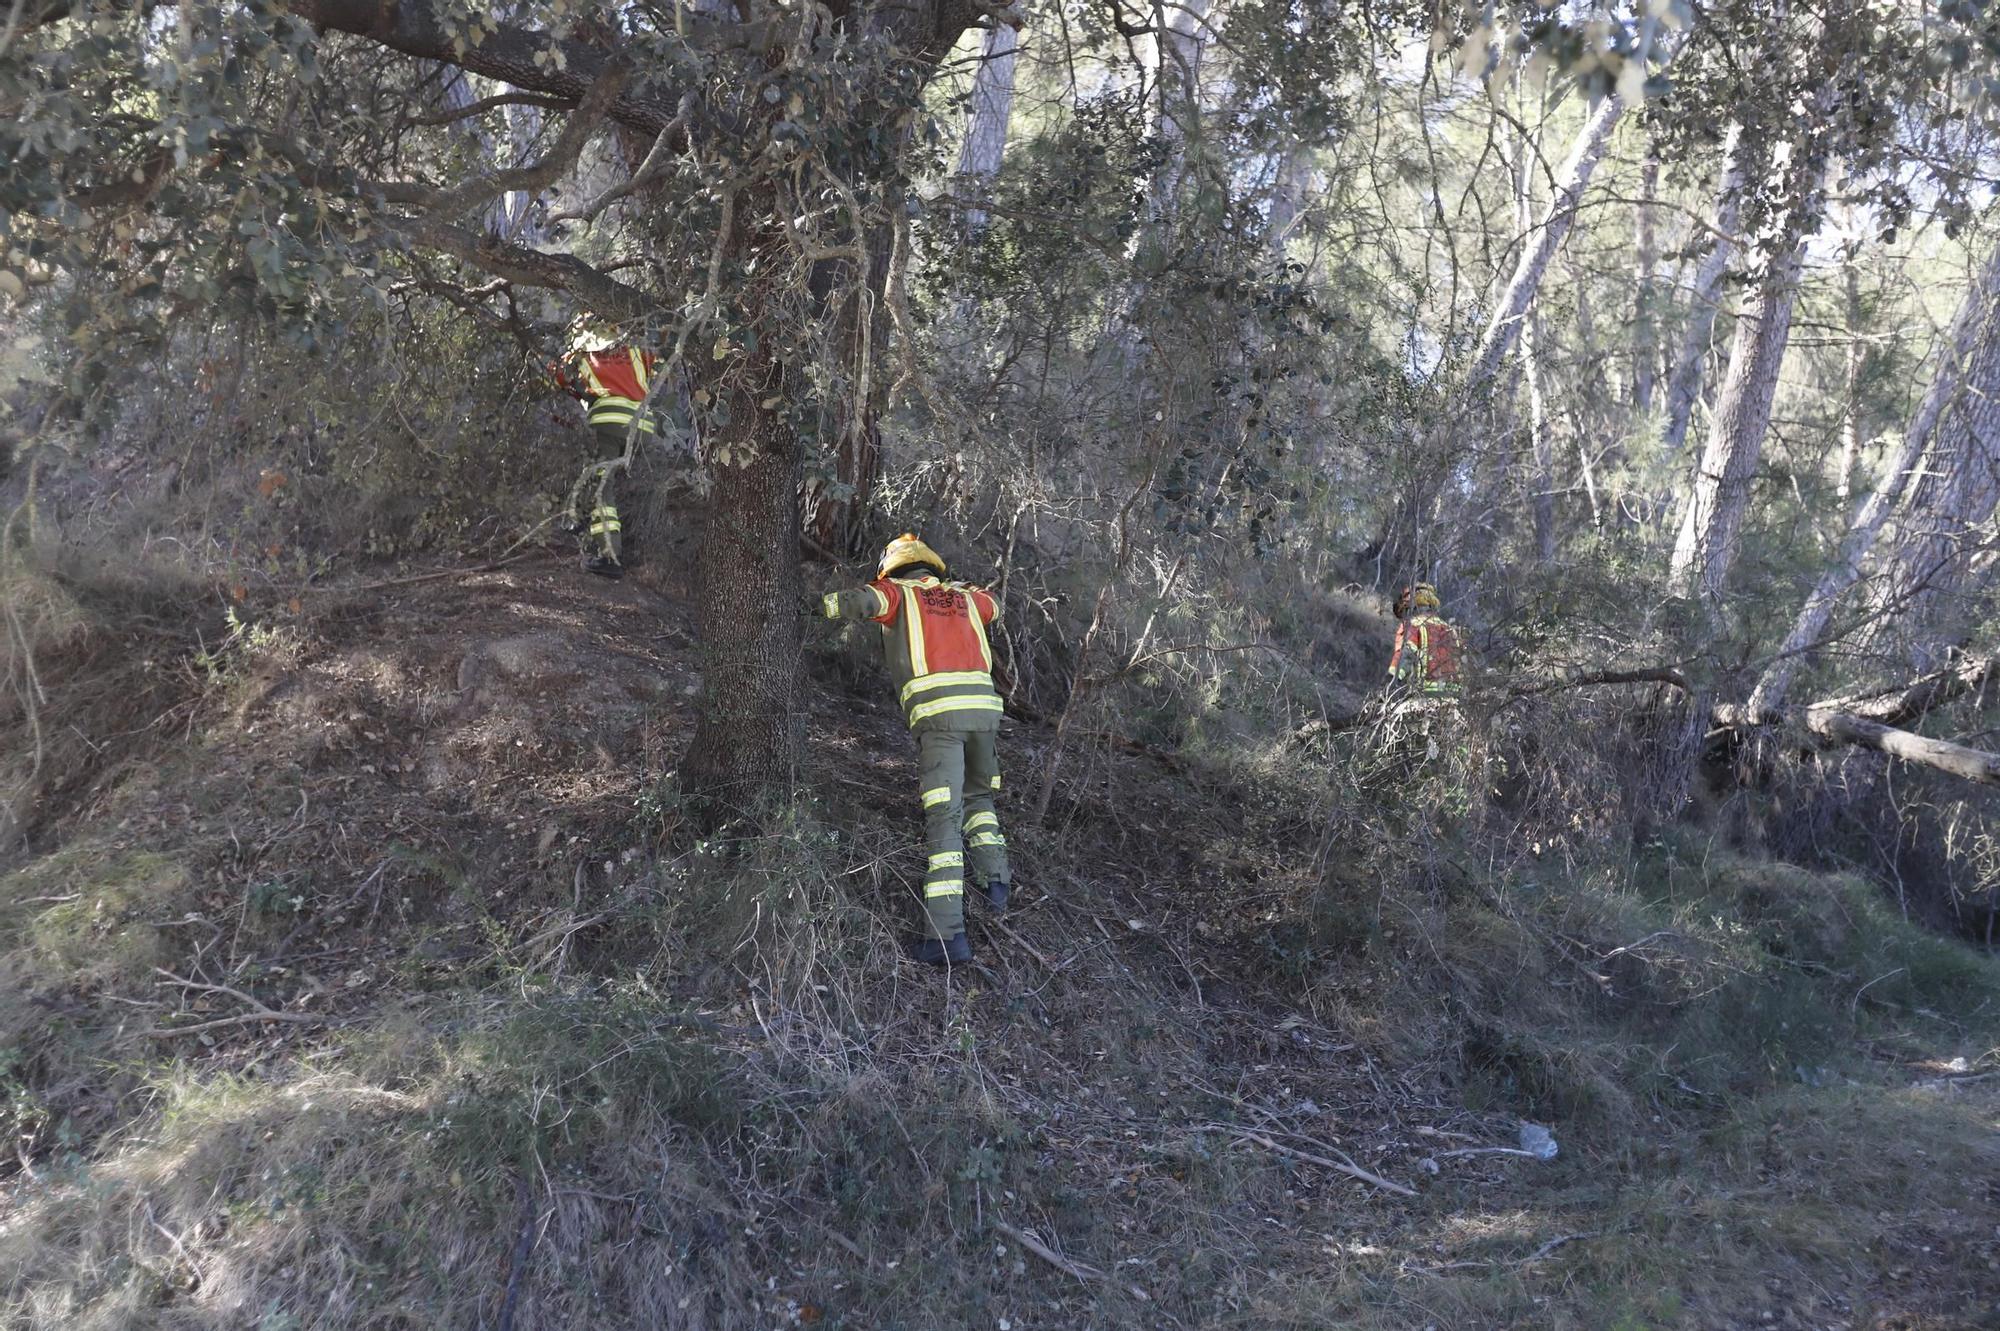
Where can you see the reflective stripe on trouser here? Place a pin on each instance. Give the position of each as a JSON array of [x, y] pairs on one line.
[[616, 413], [955, 780], [593, 500], [985, 848]]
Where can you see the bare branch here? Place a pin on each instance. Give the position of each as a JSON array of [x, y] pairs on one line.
[[538, 176], [509, 54], [526, 267], [649, 170], [485, 104]]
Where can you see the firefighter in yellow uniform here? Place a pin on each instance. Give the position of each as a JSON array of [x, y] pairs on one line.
[[1424, 662], [934, 636], [1425, 687], [612, 382]]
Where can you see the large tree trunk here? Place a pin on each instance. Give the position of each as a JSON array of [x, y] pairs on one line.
[[1851, 405], [1712, 523], [1179, 48], [1962, 392], [987, 117], [1288, 200], [1685, 384], [1829, 724], [748, 736], [1943, 543]]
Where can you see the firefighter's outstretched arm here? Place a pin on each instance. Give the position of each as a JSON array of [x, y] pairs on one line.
[[855, 603]]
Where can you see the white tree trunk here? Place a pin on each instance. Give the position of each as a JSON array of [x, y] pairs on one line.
[[524, 221], [1964, 385], [1685, 385], [986, 121], [1943, 542], [1288, 199], [456, 95], [1850, 413], [1712, 523], [1178, 51], [1544, 499], [1539, 247], [1645, 338]]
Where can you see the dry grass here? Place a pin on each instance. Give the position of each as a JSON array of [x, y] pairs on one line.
[[708, 1093]]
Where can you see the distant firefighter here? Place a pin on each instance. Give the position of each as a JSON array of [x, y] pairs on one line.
[[1425, 662], [934, 637], [611, 381]]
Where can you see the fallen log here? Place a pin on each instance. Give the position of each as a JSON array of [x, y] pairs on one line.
[[1862, 720], [1832, 725], [1957, 759]]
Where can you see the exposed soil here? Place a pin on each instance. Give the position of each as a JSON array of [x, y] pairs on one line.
[[452, 788]]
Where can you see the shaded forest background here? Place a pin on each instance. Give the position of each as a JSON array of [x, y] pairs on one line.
[[1663, 339]]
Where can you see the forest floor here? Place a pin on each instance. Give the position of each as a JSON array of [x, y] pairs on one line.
[[362, 986]]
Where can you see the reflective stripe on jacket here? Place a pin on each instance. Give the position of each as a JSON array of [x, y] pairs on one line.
[[614, 382], [1426, 654], [934, 638]]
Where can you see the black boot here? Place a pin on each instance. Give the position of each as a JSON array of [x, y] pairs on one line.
[[997, 892], [941, 952], [604, 566]]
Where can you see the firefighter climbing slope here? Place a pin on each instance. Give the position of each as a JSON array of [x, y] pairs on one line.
[[1423, 722], [934, 638], [1424, 666], [611, 381]]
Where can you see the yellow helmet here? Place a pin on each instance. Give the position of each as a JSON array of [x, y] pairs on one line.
[[1418, 596], [907, 549], [587, 335]]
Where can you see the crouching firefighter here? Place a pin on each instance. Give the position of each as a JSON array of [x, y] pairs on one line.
[[934, 638], [612, 382]]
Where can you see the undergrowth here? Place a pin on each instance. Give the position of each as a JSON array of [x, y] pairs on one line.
[[603, 1079]]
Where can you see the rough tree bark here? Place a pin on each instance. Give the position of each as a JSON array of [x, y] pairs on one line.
[[1962, 391], [749, 734], [1712, 522], [1288, 200], [987, 116], [1684, 386], [1851, 405]]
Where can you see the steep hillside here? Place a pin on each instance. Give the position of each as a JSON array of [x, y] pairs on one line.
[[364, 979]]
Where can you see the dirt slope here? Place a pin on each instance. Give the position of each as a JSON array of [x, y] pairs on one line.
[[478, 1046]]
